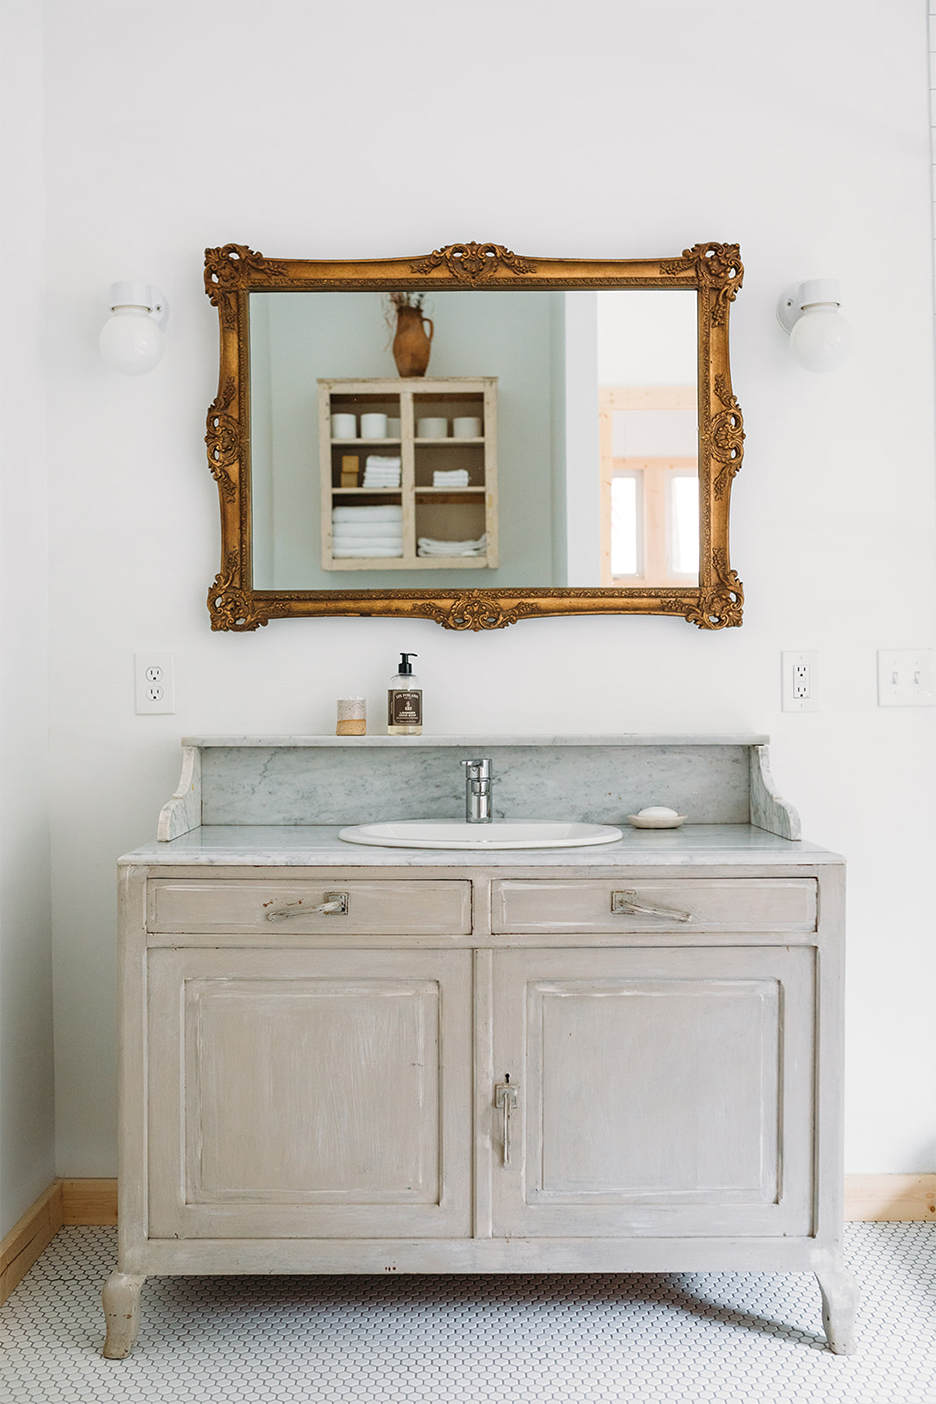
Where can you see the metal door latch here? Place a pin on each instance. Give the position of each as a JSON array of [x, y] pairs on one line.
[[505, 1100]]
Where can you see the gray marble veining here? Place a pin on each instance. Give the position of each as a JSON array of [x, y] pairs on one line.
[[300, 846], [597, 782]]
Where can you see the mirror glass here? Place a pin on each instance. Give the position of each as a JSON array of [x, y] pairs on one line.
[[568, 456]]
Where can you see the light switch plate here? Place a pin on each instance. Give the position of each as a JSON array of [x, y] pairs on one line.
[[799, 681], [906, 677]]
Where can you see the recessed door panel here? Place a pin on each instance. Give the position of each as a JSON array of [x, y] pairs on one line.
[[347, 1069], [655, 1090], [316, 1093]]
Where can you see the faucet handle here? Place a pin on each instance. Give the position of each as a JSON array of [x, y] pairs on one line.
[[479, 769]]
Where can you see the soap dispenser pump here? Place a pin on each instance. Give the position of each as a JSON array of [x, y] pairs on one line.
[[404, 700]]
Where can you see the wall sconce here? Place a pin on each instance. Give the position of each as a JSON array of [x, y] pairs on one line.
[[820, 337], [131, 339]]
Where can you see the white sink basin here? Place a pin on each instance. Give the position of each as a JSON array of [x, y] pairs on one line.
[[502, 833]]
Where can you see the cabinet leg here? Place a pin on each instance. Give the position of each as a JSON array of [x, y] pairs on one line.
[[839, 1305], [121, 1298]]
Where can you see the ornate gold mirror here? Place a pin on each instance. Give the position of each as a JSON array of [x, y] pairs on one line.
[[474, 437]]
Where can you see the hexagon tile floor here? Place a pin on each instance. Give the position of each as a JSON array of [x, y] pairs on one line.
[[715, 1338]]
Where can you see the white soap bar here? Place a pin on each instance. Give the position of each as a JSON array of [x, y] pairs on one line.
[[657, 811]]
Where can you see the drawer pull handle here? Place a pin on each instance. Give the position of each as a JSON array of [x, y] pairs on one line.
[[505, 1098], [623, 904], [335, 904]]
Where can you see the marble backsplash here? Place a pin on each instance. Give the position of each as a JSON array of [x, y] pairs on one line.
[[603, 783]]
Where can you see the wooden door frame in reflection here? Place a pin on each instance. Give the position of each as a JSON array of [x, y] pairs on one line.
[[652, 545], [714, 271]]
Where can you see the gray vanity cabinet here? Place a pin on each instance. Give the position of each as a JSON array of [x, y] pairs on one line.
[[480, 1067]]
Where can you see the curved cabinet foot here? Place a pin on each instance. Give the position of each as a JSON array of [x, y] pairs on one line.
[[121, 1298], [839, 1305]]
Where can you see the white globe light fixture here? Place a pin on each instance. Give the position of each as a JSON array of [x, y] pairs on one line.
[[131, 340], [820, 337]]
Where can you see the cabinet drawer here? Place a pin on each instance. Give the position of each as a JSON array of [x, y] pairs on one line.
[[231, 906], [734, 904]]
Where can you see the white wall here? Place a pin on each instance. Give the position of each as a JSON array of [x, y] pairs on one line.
[[26, 1086], [171, 127]]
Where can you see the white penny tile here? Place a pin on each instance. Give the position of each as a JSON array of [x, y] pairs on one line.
[[715, 1338]]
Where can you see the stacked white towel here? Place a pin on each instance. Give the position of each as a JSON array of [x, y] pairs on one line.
[[429, 546], [367, 531], [450, 477], [381, 472]]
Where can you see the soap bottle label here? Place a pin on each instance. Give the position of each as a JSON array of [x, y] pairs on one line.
[[404, 708]]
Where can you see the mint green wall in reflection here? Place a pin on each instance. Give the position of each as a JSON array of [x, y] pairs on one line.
[[299, 338]]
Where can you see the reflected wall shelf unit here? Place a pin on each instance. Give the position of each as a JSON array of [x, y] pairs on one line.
[[442, 513]]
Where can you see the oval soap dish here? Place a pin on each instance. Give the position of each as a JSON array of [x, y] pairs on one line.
[[657, 816]]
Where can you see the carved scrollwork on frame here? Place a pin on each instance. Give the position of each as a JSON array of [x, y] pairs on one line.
[[223, 439], [475, 611], [227, 268], [474, 263], [230, 606], [712, 271], [726, 439], [720, 606], [719, 270]]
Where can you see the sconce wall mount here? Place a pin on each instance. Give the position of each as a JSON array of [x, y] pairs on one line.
[[820, 337], [131, 340]]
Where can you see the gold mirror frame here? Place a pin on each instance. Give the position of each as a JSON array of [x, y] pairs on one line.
[[713, 270]]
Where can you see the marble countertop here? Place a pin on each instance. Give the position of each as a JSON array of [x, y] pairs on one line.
[[319, 846]]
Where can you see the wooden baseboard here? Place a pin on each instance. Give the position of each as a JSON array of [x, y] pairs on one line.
[[66, 1202], [29, 1237], [89, 1201], [890, 1197]]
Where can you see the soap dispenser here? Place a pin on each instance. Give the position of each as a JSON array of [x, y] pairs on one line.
[[404, 700]]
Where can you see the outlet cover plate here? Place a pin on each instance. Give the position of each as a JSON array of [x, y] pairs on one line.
[[799, 681], [152, 683]]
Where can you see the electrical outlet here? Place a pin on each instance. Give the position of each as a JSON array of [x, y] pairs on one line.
[[153, 686], [906, 677], [799, 681]]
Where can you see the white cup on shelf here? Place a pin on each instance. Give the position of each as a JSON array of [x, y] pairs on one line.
[[394, 428], [344, 426], [373, 426], [432, 428], [466, 427]]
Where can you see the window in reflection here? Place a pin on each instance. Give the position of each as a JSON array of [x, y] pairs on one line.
[[650, 485], [626, 534]]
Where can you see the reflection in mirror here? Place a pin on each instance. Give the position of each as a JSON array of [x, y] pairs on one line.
[[584, 472]]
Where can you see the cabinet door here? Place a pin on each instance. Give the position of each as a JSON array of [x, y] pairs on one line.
[[309, 1093], [658, 1091]]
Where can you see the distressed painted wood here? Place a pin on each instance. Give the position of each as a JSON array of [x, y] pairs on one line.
[[785, 904], [305, 1094], [287, 907], [317, 1094], [121, 1298], [868, 1198], [653, 1085], [839, 1308]]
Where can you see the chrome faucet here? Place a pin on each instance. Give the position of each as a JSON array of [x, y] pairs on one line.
[[479, 786]]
